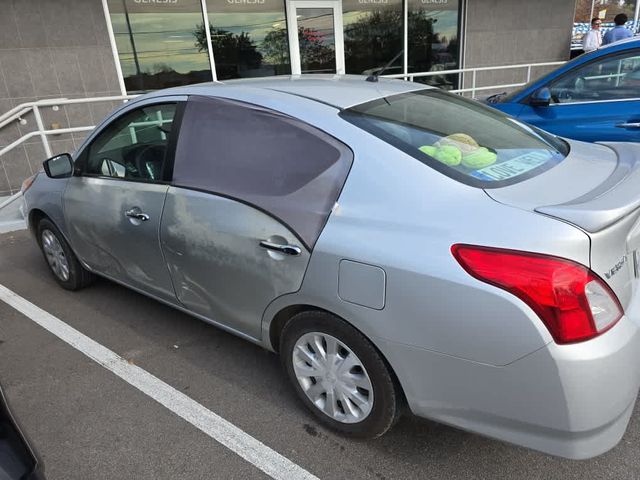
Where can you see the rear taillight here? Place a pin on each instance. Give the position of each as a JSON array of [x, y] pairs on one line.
[[572, 301]]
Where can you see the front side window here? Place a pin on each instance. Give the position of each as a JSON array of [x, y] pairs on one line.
[[611, 78], [461, 138], [134, 146], [264, 158]]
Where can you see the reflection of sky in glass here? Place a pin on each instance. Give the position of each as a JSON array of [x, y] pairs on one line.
[[257, 24], [446, 14], [160, 39], [352, 17]]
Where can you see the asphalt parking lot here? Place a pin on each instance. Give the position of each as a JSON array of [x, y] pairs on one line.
[[88, 423]]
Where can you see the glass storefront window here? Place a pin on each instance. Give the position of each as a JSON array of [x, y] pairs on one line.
[[433, 40], [249, 39], [164, 43], [372, 35], [157, 43], [605, 10]]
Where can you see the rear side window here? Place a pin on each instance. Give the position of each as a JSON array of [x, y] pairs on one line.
[[271, 161], [461, 138]]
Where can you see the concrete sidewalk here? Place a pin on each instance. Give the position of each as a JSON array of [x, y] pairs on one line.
[[11, 214]]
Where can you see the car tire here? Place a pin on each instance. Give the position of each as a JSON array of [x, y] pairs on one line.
[[376, 407], [62, 262]]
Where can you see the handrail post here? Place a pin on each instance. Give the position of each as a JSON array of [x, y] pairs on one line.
[[473, 84], [528, 73], [43, 136]]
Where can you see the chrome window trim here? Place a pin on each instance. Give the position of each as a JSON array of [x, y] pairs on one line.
[[635, 99]]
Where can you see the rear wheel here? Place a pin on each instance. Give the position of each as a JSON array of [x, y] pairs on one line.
[[62, 262], [339, 375]]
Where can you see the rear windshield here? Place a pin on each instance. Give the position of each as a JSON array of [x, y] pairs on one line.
[[461, 138]]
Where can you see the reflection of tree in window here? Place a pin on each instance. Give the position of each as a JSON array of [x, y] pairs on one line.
[[315, 54], [422, 39], [371, 42], [155, 44], [431, 51], [275, 46], [231, 50], [260, 29]]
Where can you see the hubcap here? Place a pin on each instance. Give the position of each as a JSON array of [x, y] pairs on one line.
[[333, 377], [55, 255]]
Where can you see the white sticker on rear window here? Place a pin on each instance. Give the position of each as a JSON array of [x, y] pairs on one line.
[[514, 167]]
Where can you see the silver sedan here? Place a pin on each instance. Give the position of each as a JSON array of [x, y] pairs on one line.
[[395, 244]]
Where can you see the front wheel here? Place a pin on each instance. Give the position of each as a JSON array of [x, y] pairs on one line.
[[339, 375], [62, 262]]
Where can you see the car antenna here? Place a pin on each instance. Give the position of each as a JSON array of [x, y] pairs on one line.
[[374, 77]]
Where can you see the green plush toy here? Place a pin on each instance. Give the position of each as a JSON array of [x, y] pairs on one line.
[[479, 158], [449, 155], [429, 150]]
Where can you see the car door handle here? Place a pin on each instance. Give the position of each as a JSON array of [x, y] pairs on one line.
[[137, 214], [629, 125], [286, 249]]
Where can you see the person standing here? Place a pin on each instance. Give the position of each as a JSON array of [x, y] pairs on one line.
[[619, 32], [592, 39]]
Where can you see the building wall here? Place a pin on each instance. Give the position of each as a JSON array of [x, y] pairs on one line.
[[61, 48], [508, 32], [51, 49]]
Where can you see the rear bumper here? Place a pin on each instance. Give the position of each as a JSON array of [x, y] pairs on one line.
[[573, 401]]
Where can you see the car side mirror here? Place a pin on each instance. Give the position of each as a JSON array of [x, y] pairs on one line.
[[540, 98], [60, 166]]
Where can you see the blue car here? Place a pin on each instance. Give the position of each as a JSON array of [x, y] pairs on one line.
[[594, 97]]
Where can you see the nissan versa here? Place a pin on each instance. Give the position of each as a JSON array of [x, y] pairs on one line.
[[395, 244]]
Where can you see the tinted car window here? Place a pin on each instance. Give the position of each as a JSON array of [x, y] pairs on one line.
[[261, 157], [610, 78], [134, 146], [461, 138]]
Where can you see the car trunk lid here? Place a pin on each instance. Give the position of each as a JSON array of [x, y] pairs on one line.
[[596, 188]]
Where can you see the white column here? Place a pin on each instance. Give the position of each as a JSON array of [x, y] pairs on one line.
[[114, 48], [207, 32]]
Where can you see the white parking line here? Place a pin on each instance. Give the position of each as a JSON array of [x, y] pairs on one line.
[[224, 432]]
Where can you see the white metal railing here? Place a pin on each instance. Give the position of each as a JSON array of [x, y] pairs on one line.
[[474, 75], [17, 113]]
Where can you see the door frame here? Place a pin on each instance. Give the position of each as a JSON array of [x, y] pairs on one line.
[[292, 28]]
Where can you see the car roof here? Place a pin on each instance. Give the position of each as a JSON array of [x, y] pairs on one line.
[[622, 43], [339, 91]]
